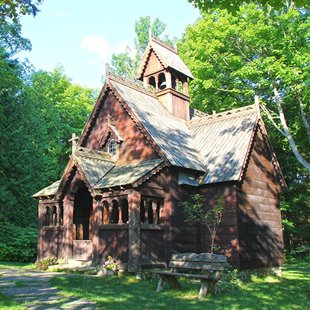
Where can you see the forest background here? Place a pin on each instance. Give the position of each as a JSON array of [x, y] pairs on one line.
[[234, 52]]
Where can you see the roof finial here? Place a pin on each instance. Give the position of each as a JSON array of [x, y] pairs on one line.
[[150, 33], [107, 71]]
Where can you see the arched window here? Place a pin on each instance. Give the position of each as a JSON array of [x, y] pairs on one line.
[[114, 216], [112, 147], [150, 212], [162, 84], [142, 211], [125, 210], [105, 212], [47, 220], [152, 81]]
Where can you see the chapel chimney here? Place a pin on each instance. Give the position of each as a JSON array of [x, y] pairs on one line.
[[164, 70]]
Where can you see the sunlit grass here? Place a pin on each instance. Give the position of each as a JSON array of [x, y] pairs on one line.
[[291, 291], [6, 265]]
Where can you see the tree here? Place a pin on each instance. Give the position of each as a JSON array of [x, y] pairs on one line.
[[233, 6], [197, 211], [126, 64], [12, 9], [235, 56]]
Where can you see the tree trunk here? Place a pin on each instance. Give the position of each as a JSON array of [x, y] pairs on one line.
[[287, 132]]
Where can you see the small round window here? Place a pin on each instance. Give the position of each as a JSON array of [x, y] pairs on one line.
[[112, 148]]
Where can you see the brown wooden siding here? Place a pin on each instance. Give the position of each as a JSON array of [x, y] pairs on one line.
[[134, 148], [52, 241], [259, 216], [113, 240]]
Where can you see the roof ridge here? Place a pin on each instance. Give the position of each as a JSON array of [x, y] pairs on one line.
[[94, 154], [163, 44], [133, 84], [223, 115]]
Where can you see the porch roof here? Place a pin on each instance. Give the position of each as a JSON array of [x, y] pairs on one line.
[[128, 174], [50, 190]]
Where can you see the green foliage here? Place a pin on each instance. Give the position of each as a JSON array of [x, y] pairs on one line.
[[46, 262], [12, 9], [197, 211], [126, 64], [233, 6], [17, 244], [235, 56]]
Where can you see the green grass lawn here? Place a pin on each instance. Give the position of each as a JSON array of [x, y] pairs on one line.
[[291, 291], [5, 265]]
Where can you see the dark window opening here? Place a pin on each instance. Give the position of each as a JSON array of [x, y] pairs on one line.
[[162, 84], [112, 148], [152, 81], [47, 219], [114, 216], [142, 211], [125, 210], [150, 212]]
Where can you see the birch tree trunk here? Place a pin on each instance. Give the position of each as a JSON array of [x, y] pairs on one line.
[[287, 132]]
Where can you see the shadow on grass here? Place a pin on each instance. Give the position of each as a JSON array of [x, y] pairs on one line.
[[288, 292], [7, 303]]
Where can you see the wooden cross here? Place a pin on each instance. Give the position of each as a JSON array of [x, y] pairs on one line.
[[74, 139]]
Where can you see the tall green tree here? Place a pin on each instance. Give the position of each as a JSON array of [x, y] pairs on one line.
[[126, 64], [233, 6], [253, 52]]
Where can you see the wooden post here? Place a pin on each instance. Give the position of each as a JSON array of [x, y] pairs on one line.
[[120, 217], [41, 219], [96, 223], [134, 232], [68, 228], [155, 213]]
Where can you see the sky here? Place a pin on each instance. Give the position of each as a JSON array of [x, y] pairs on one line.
[[82, 35]]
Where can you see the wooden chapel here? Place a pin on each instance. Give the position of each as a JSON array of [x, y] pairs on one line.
[[143, 151]]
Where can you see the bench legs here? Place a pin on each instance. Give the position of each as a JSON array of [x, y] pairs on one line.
[[171, 280], [207, 286]]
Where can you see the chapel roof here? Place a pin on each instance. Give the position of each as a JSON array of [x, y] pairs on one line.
[[171, 134], [223, 141], [167, 55]]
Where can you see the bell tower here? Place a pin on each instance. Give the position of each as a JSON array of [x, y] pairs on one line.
[[164, 70]]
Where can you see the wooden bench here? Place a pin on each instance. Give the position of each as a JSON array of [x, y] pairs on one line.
[[209, 266]]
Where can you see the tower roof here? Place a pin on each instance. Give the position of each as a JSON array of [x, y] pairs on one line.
[[167, 55]]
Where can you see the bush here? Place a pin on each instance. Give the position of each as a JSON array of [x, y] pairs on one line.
[[46, 262], [17, 244]]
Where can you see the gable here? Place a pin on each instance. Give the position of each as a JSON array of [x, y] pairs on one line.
[[133, 146], [167, 56], [153, 64]]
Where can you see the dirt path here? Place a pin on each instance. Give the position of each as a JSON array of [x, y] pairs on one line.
[[32, 288]]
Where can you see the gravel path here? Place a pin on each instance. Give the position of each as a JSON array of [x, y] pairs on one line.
[[32, 288]]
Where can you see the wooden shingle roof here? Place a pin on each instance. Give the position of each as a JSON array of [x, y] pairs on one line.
[[167, 55], [171, 134], [223, 141]]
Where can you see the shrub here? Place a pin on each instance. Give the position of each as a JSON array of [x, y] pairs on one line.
[[17, 244], [46, 262]]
